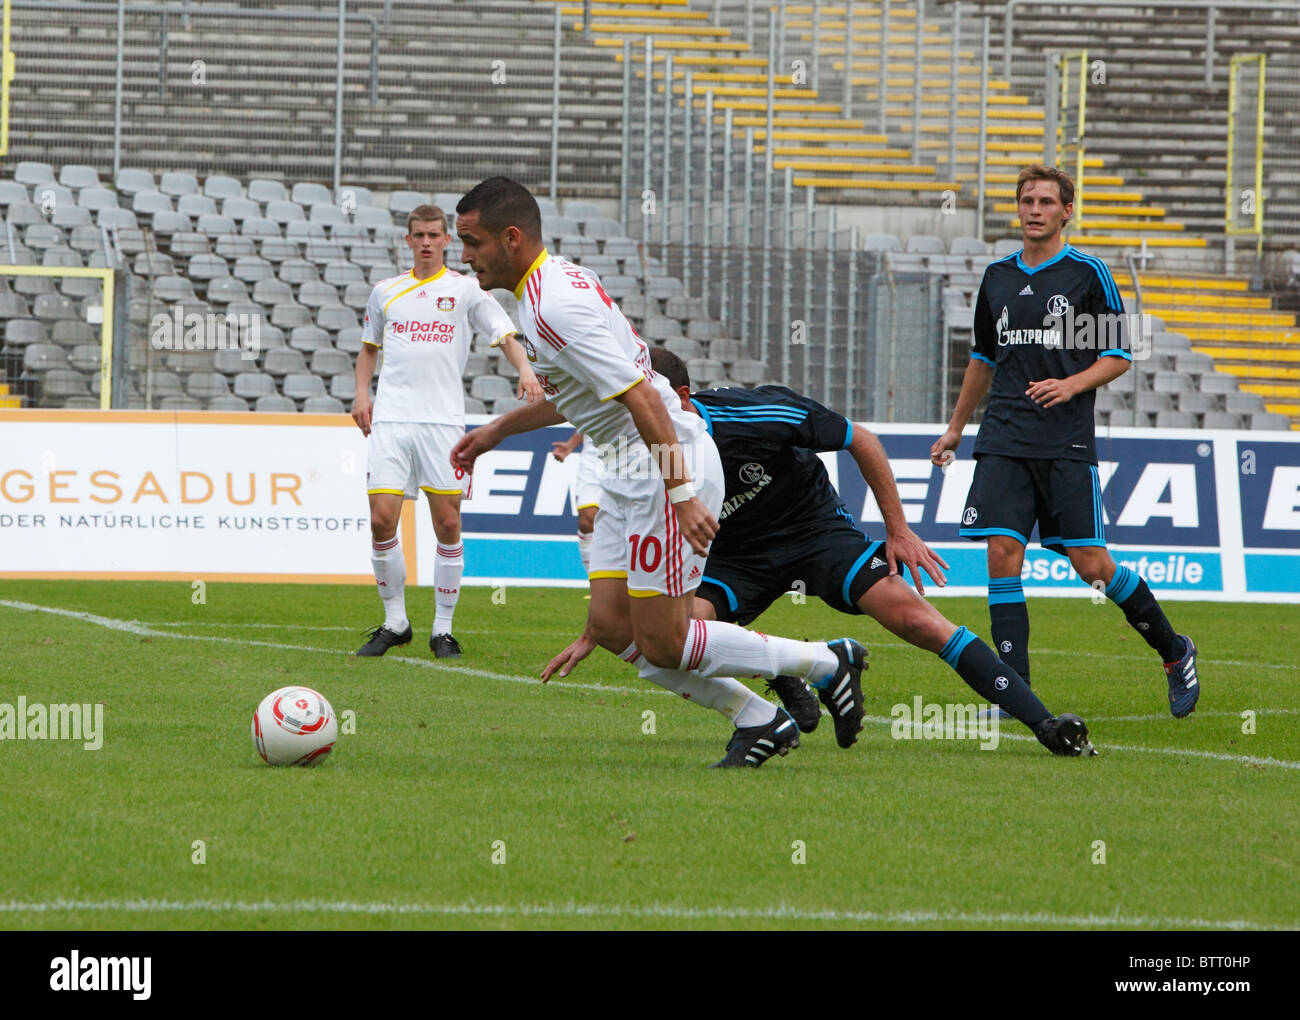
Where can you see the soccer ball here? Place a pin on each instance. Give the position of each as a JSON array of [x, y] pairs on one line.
[[294, 726]]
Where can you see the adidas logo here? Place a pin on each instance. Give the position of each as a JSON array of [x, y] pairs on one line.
[[695, 572], [423, 294], [876, 562], [1028, 290]]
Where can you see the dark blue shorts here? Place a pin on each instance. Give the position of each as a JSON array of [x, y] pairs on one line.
[[1009, 495], [836, 565]]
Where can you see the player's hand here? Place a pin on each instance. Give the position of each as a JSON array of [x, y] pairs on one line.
[[905, 546], [560, 450], [470, 446], [529, 389], [1050, 392], [570, 657], [362, 408], [944, 450], [697, 524]]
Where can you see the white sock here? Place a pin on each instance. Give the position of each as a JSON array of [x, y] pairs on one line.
[[584, 550], [714, 648], [721, 693], [448, 566], [390, 575]]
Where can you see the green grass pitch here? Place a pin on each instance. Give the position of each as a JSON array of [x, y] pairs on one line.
[[471, 796]]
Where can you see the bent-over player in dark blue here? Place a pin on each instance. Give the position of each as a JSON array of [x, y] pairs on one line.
[[783, 524], [1049, 330]]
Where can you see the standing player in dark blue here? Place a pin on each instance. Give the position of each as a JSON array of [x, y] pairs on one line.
[[783, 524], [1036, 450]]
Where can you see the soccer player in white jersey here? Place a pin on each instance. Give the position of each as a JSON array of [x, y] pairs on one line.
[[661, 492], [423, 320]]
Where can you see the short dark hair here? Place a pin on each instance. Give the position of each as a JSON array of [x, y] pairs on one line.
[[500, 203], [427, 214], [1038, 172], [671, 367]]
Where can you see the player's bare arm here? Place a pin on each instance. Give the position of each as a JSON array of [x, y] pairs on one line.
[[902, 544], [656, 429], [362, 406], [974, 384], [561, 450], [1050, 392], [529, 388], [486, 437]]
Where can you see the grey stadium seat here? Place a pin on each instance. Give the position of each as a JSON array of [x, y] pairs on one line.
[[228, 244], [1218, 382], [491, 387], [968, 246], [78, 175], [323, 404], [225, 289], [882, 242], [600, 229], [178, 184], [1269, 421], [239, 208], [288, 314], [43, 357], [272, 291], [581, 210], [306, 193], [196, 205], [30, 172], [705, 372], [259, 226], [1221, 420], [283, 361], [1199, 403], [342, 273], [12, 191], [253, 268], [169, 222], [304, 231], [218, 186], [349, 340], [284, 211], [1171, 382], [301, 385], [1175, 420], [273, 403], [308, 338], [96, 198], [298, 271], [329, 362], [336, 317], [400, 203], [1243, 403], [117, 219], [206, 384], [189, 242], [229, 402], [314, 293], [252, 385], [130, 180], [261, 189]]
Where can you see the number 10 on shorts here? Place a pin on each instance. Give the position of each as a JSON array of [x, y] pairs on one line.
[[650, 550]]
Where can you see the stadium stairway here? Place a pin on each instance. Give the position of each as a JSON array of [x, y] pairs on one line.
[[1240, 329]]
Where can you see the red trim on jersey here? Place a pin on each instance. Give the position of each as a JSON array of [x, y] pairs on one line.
[[534, 287]]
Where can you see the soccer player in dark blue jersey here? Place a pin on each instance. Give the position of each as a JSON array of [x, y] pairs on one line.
[[783, 524], [1049, 330]]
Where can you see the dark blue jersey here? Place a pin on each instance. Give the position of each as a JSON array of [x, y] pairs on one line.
[[777, 487], [1047, 322]]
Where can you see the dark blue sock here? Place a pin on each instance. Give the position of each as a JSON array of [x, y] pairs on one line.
[[1009, 620], [991, 678], [1128, 591]]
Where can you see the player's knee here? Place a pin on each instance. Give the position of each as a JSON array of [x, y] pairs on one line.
[[1092, 567], [447, 528], [383, 525]]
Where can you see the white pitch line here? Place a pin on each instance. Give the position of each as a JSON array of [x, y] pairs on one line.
[[874, 644], [653, 911], [1199, 715], [134, 627]]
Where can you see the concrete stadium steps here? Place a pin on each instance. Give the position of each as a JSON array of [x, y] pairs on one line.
[[268, 101], [1157, 122]]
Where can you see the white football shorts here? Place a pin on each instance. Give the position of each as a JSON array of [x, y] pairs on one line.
[[636, 536], [404, 457]]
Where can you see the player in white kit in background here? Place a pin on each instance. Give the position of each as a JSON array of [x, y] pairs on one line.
[[424, 321], [661, 492], [586, 489]]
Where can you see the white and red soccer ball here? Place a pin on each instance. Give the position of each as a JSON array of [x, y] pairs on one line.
[[294, 726]]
